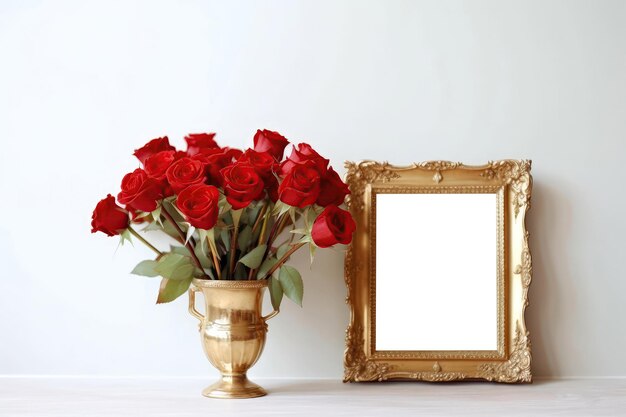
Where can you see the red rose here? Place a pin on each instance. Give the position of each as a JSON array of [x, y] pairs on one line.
[[215, 160], [264, 165], [242, 185], [332, 189], [272, 142], [108, 217], [198, 141], [199, 205], [302, 154], [156, 165], [139, 191], [179, 154], [301, 186], [185, 172], [333, 226], [154, 146]]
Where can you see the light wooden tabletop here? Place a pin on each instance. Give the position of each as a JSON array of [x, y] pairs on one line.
[[71, 396]]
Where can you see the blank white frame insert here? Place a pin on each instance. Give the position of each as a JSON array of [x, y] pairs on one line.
[[436, 272]]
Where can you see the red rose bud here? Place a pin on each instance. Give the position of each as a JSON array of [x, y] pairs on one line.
[[332, 190], [199, 204], [304, 153], [333, 226], [198, 141], [185, 172], [108, 217], [271, 142], [301, 186], [242, 185], [154, 146], [139, 191]]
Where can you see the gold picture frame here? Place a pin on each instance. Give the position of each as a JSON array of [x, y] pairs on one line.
[[511, 182]]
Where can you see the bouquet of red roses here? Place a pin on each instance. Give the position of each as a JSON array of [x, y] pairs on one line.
[[224, 211]]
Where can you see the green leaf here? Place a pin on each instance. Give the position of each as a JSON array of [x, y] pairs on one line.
[[183, 272], [175, 266], [265, 267], [243, 240], [236, 214], [282, 250], [145, 268], [276, 292], [291, 281], [223, 205], [254, 258], [205, 261], [181, 250], [210, 237], [225, 237], [173, 210], [172, 289], [170, 230], [253, 213], [240, 272]]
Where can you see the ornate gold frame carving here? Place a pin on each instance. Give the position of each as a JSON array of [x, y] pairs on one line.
[[512, 182]]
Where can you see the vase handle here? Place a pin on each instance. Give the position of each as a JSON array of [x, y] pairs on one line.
[[192, 304], [272, 314]]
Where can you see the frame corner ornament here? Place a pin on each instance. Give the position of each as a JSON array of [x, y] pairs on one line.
[[516, 368], [361, 174], [515, 173], [357, 367]]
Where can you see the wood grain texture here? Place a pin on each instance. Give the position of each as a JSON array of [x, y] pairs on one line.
[[69, 397]]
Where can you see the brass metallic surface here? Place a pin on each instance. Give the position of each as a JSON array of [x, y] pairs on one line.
[[232, 332], [511, 181]]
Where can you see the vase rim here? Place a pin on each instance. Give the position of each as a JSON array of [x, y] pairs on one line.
[[210, 283]]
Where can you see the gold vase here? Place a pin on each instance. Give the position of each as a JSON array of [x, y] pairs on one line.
[[232, 332]]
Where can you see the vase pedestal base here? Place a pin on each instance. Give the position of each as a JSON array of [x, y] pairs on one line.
[[236, 386]]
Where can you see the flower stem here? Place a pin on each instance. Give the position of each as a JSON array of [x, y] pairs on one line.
[[188, 245], [260, 217], [216, 261], [263, 228], [278, 226], [277, 229], [233, 241], [282, 260], [144, 241]]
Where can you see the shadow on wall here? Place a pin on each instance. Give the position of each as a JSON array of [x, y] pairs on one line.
[[549, 225]]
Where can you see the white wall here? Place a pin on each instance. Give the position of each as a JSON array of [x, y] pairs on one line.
[[83, 83]]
